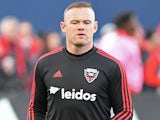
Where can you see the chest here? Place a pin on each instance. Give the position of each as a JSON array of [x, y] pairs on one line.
[[79, 77]]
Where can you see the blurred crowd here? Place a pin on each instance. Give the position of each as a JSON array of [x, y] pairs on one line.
[[125, 38], [137, 48], [20, 47]]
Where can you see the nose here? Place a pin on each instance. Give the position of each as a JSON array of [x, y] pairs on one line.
[[81, 26]]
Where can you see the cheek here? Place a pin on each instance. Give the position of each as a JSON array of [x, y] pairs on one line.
[[69, 32], [70, 29], [91, 31]]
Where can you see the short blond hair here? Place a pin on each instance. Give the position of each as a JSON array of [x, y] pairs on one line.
[[81, 4]]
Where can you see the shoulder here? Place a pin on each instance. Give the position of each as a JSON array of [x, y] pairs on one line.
[[51, 53], [107, 58], [109, 64]]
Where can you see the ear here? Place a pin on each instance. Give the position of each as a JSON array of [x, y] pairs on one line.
[[63, 26], [95, 26]]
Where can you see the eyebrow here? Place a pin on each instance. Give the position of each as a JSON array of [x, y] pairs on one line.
[[89, 21]]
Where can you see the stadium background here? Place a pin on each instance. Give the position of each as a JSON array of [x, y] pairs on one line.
[[46, 14]]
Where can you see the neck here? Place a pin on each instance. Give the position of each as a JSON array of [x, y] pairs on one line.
[[76, 50]]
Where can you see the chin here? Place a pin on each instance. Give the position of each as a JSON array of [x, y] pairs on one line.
[[79, 45]]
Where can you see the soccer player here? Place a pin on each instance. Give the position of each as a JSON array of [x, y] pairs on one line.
[[79, 81]]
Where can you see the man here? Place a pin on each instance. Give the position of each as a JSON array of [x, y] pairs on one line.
[[121, 44], [79, 81]]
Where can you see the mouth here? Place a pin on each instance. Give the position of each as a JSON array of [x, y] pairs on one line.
[[81, 35]]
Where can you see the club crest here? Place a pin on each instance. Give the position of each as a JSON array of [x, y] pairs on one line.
[[90, 74]]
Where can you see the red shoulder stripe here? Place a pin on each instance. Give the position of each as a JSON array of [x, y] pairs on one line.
[[51, 53]]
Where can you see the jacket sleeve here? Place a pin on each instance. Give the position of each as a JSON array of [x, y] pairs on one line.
[[120, 95], [38, 100]]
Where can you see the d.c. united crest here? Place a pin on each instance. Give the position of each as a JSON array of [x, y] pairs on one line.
[[90, 74]]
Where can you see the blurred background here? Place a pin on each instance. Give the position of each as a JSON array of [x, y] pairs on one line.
[[30, 28]]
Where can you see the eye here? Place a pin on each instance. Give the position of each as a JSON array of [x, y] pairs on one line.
[[74, 22], [87, 22]]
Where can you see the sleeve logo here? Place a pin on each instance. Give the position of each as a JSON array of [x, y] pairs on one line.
[[90, 74]]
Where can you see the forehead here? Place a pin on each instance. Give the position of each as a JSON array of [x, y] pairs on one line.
[[79, 13]]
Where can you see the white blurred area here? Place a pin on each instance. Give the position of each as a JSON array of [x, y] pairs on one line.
[[6, 110]]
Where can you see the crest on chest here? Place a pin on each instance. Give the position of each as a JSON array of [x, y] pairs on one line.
[[90, 74]]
